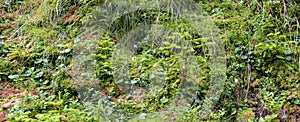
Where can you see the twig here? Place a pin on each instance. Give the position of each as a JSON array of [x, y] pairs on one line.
[[16, 31], [298, 26], [237, 95], [249, 77], [284, 7], [285, 12]]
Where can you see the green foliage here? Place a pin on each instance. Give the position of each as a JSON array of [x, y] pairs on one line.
[[262, 47], [45, 107], [258, 34], [247, 115]]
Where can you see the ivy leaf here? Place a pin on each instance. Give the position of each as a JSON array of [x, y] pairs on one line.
[[297, 102], [7, 2], [164, 100], [134, 81], [38, 75], [13, 77], [28, 73], [143, 116], [296, 37], [287, 52], [244, 57], [65, 51], [288, 58]]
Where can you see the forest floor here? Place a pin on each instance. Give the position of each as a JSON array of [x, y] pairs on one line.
[[9, 95]]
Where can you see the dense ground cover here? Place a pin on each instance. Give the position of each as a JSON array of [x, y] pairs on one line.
[[36, 49]]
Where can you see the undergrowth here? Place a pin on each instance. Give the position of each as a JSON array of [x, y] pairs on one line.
[[263, 63]]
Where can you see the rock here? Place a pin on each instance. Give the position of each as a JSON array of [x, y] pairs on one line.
[[9, 104], [3, 116]]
